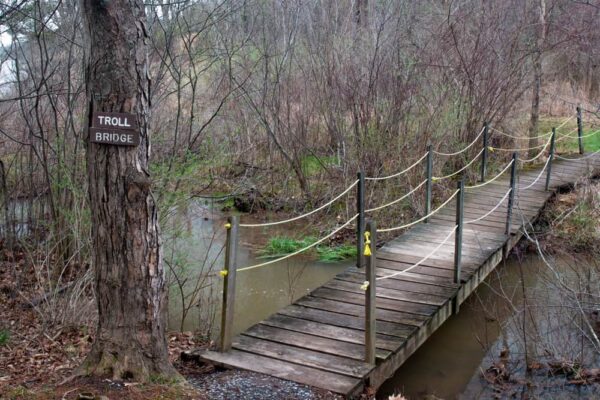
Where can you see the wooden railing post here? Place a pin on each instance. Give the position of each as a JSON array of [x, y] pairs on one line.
[[370, 295], [228, 273], [580, 130], [458, 236], [551, 157], [460, 197], [484, 155], [428, 172], [511, 196], [360, 221]]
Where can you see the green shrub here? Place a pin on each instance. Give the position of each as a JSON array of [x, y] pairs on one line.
[[281, 246]]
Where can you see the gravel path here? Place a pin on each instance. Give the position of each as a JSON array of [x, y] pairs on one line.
[[234, 385]]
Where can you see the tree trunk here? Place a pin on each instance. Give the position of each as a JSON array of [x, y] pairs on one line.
[[537, 81], [129, 276]]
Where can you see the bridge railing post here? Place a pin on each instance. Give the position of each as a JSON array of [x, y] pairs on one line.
[[370, 295], [429, 177], [580, 130], [360, 221], [551, 157], [511, 195], [484, 154], [229, 276], [458, 236]]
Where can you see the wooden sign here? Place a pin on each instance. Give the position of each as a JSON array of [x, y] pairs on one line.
[[114, 120], [119, 129], [120, 137]]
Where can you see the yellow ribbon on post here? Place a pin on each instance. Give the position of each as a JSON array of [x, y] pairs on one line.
[[367, 251], [223, 273], [227, 225], [490, 148], [365, 285]]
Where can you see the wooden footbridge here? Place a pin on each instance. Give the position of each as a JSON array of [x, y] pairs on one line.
[[357, 329]]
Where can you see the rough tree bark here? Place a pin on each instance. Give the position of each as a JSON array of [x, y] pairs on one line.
[[537, 80], [129, 275]]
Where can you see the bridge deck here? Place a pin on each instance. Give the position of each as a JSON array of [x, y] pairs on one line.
[[319, 339]]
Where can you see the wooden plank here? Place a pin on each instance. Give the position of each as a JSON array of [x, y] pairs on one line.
[[320, 329], [407, 286], [410, 276], [384, 303], [345, 320], [284, 370], [440, 273], [311, 342], [469, 242], [410, 258], [420, 298], [308, 358], [396, 317]]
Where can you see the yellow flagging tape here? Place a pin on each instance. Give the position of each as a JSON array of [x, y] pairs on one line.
[[223, 273], [365, 285], [367, 244], [228, 226], [491, 149]]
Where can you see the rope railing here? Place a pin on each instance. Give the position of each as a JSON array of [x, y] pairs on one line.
[[391, 203], [519, 149], [538, 177], [285, 221], [578, 158], [567, 135], [462, 150], [484, 216], [421, 261], [565, 122], [577, 137], [493, 179], [422, 218], [520, 137], [439, 178], [382, 178], [539, 154], [367, 228], [302, 250]]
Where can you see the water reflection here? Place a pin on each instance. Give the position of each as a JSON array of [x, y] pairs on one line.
[[490, 330]]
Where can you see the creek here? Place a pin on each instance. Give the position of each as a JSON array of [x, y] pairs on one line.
[[450, 365]]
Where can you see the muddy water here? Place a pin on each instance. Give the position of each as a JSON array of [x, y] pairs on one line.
[[451, 363], [260, 292]]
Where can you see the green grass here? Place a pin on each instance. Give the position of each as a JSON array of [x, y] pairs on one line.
[[590, 144], [4, 336], [338, 253], [281, 246]]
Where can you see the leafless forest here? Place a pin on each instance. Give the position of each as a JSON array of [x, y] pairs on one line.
[[281, 97], [276, 103]]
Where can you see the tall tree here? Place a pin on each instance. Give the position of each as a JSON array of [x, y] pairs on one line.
[[538, 52], [129, 275]]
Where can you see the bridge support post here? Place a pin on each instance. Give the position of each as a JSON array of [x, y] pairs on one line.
[[484, 155], [580, 130], [551, 157], [370, 295], [228, 273], [511, 196], [429, 172], [458, 236], [360, 221]]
